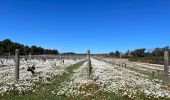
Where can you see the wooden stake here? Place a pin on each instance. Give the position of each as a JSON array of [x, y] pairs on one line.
[[89, 67], [17, 62], [166, 67]]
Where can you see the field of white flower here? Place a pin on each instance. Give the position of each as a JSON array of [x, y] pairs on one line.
[[44, 71], [55, 80], [113, 80]]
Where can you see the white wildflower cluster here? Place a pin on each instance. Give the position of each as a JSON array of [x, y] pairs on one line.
[[74, 86], [130, 83], [112, 79], [44, 71]]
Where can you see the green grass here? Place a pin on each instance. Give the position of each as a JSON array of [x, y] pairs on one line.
[[152, 74], [152, 59], [43, 92]]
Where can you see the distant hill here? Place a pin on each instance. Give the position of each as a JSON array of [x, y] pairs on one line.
[[7, 46], [69, 53]]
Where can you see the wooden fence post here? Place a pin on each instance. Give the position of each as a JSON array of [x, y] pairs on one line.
[[29, 56], [166, 67], [120, 63], [89, 67], [17, 62]]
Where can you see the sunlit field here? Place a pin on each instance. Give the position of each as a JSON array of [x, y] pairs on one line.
[[66, 78]]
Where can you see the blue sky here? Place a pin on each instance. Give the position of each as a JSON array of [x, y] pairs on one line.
[[77, 25]]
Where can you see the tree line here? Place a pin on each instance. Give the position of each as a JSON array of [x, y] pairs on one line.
[[153, 56], [8, 47], [156, 52]]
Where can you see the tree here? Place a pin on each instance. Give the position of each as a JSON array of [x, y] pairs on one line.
[[158, 52], [111, 54], [27, 50], [7, 46], [138, 52], [117, 53]]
